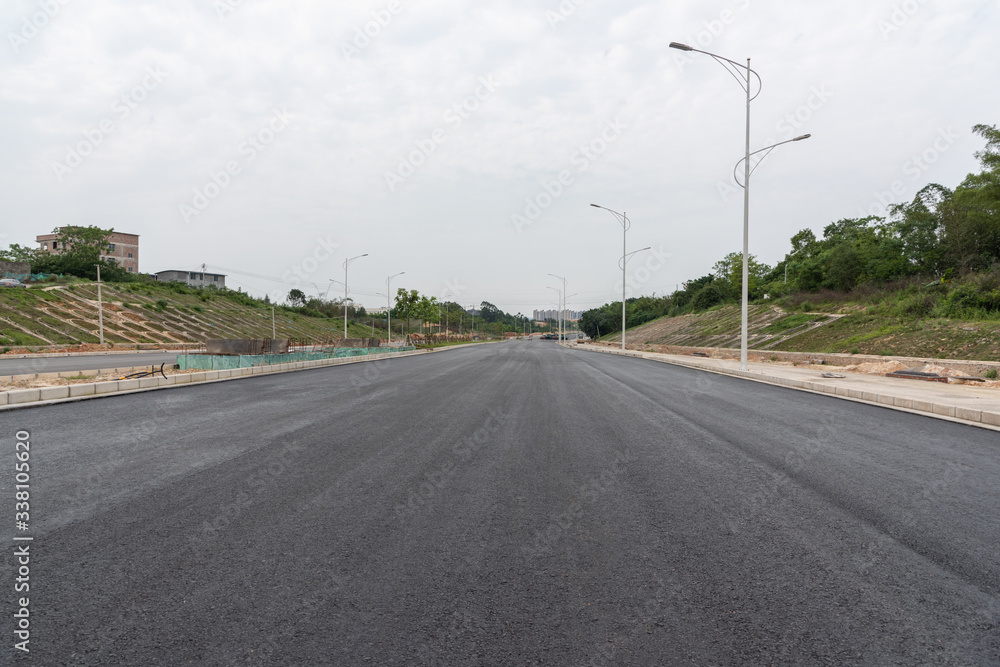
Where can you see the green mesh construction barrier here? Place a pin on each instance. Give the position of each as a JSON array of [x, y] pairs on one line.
[[218, 362]]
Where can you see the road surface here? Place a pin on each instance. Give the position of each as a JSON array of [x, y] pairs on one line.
[[507, 504], [89, 362]]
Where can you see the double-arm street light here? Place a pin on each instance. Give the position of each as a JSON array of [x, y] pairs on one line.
[[558, 305], [562, 304], [744, 75], [347, 263], [623, 219], [388, 303], [622, 262]]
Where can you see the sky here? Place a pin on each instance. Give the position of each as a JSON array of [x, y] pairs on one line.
[[464, 143]]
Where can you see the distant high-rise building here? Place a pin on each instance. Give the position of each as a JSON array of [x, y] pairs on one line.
[[568, 315]]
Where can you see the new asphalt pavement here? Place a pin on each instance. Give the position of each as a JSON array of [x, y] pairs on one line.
[[510, 504], [86, 362]]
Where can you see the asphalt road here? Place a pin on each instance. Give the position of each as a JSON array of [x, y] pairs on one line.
[[89, 362], [508, 504]]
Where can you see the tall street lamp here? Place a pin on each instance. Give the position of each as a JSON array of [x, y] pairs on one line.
[[623, 219], [622, 263], [562, 305], [558, 305], [347, 263], [742, 74], [388, 302]]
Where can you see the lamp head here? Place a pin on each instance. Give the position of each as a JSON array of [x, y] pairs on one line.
[[804, 136], [682, 47]]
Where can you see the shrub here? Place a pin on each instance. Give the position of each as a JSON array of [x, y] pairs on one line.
[[990, 374]]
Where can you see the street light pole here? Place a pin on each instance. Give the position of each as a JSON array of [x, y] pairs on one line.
[[742, 74], [558, 304], [347, 263], [623, 262], [623, 219], [388, 303], [100, 306], [563, 304]]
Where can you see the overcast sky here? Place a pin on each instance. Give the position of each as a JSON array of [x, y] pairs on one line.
[[463, 142]]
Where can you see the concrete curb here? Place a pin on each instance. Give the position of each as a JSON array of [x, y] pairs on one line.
[[981, 418], [23, 398]]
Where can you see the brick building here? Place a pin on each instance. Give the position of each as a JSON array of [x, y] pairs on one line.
[[123, 249]]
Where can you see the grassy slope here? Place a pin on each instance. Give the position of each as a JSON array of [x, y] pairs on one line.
[[866, 329], [132, 315]]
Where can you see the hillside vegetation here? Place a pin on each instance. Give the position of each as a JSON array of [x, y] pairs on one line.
[[922, 279], [899, 320], [150, 313]]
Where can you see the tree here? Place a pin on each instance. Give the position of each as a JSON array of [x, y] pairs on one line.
[[296, 297], [919, 228], [730, 269], [971, 218], [406, 301], [425, 309], [18, 253]]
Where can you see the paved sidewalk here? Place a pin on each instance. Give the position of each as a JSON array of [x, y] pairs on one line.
[[979, 406]]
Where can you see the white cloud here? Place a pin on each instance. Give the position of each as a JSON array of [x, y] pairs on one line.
[[558, 84]]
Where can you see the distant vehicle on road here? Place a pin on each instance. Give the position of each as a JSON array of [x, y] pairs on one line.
[[11, 282]]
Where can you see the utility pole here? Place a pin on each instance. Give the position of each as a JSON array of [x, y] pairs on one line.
[[274, 333], [100, 305]]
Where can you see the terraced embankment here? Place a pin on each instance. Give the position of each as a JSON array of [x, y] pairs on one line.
[[143, 315], [850, 331]]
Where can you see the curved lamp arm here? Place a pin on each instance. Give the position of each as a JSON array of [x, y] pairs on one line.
[[765, 150], [622, 218], [741, 78], [626, 257]]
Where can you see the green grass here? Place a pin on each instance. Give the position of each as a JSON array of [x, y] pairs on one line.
[[181, 313], [791, 322]]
